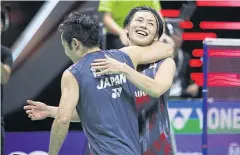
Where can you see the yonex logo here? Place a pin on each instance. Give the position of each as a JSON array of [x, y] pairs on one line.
[[179, 116], [31, 153], [117, 92]]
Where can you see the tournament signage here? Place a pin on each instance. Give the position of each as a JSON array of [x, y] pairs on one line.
[[36, 143], [223, 127], [186, 119]]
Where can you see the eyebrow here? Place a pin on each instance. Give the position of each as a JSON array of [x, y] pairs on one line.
[[139, 17], [150, 20]]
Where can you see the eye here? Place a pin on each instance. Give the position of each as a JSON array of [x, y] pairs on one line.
[[139, 20], [150, 24]]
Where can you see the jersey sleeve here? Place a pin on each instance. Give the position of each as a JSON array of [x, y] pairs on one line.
[[147, 108]]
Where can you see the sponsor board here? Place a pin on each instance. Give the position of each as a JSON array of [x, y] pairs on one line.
[[187, 117], [223, 127], [186, 120], [36, 143], [218, 144]]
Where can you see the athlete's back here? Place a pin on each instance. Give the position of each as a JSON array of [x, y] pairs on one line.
[[106, 107], [153, 116]]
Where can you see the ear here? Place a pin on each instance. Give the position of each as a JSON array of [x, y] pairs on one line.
[[75, 43], [126, 29]]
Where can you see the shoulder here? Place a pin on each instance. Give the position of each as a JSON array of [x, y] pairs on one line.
[[67, 74], [68, 77], [169, 62], [69, 83]]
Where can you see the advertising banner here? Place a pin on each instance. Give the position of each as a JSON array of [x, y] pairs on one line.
[[223, 127], [36, 143], [186, 120]]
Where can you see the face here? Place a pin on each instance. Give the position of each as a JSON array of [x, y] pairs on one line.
[[142, 29]]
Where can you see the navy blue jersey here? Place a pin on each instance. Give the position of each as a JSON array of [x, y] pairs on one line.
[[106, 107]]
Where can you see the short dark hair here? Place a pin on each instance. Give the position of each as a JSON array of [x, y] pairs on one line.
[[130, 15], [81, 27]]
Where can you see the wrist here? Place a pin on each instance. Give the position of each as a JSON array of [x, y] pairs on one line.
[[124, 69], [50, 112]]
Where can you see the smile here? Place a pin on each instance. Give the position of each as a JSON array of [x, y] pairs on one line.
[[142, 33]]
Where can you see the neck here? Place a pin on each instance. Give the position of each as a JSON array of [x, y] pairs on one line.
[[82, 54], [74, 60], [130, 43]]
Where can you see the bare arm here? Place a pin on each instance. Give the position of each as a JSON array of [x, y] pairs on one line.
[[149, 54], [68, 102], [154, 87], [38, 111], [114, 28], [106, 7], [111, 25], [53, 113], [5, 73], [157, 86]]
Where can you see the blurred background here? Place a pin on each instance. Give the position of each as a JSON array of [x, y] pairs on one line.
[[39, 60]]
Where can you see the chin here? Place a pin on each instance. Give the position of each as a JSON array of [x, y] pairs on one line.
[[143, 43]]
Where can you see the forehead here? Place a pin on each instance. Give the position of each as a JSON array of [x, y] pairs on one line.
[[144, 14]]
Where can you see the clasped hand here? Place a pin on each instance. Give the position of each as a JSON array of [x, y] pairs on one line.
[[107, 66]]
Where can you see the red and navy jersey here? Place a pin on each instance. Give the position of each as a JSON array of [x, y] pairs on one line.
[[154, 124]]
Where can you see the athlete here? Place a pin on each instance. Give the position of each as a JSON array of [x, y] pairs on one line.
[[152, 105], [110, 128], [38, 110]]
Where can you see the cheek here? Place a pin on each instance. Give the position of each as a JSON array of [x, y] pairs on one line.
[[132, 28], [131, 34], [153, 33]]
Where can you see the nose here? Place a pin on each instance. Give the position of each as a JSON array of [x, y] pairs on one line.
[[143, 25]]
